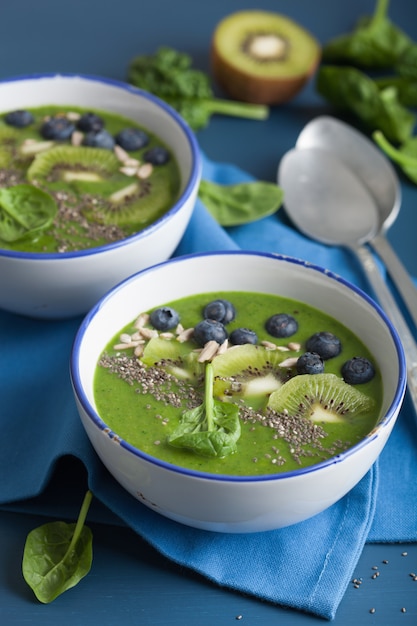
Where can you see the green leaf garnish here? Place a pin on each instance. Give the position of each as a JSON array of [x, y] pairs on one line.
[[169, 75], [405, 156], [241, 203], [375, 42], [406, 88], [350, 89], [58, 555], [212, 428], [24, 210], [380, 103]]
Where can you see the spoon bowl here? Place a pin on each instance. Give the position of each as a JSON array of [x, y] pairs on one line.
[[377, 174], [325, 200], [362, 157]]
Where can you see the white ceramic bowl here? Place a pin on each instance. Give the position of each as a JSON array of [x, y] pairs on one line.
[[224, 503], [67, 284]]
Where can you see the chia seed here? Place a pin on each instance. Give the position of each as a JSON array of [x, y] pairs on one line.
[[151, 380]]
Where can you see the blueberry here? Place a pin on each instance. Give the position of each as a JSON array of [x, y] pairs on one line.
[[220, 310], [209, 330], [240, 336], [59, 127], [90, 122], [281, 325], [19, 118], [157, 155], [326, 344], [131, 139], [357, 370], [102, 139], [164, 318], [310, 363]]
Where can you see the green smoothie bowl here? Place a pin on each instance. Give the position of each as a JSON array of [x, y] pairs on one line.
[[237, 391], [98, 180]]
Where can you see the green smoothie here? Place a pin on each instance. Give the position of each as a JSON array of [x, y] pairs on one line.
[[100, 194], [148, 382]]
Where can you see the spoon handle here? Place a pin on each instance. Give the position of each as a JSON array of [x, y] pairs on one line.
[[388, 303], [398, 273]]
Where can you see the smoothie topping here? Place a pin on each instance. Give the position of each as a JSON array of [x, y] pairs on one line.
[[109, 178], [271, 384]]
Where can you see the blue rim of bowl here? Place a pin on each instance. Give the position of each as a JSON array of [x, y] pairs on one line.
[[96, 419], [188, 189]]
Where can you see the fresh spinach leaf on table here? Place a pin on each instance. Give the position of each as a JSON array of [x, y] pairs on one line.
[[405, 156], [210, 429], [405, 87], [406, 65], [240, 203], [58, 555], [169, 75], [375, 42], [24, 210], [351, 90], [379, 102]]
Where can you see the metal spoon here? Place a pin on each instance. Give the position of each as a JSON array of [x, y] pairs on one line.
[[379, 177], [327, 202]]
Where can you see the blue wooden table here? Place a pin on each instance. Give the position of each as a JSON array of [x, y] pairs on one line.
[[130, 583]]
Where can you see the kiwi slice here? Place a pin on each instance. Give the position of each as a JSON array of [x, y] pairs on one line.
[[262, 57], [173, 356], [15, 153], [248, 371], [319, 397], [8, 143], [12, 151], [73, 163], [119, 199]]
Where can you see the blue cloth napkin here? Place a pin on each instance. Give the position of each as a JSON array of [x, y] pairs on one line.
[[307, 566]]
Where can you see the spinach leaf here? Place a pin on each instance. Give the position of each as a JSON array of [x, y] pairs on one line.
[[212, 428], [405, 87], [375, 42], [241, 203], [405, 156], [351, 90], [24, 210], [58, 555], [406, 65], [169, 75]]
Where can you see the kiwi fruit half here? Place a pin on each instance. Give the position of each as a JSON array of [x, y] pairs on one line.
[[319, 397], [262, 57]]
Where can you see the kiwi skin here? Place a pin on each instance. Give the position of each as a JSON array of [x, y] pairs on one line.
[[246, 85]]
